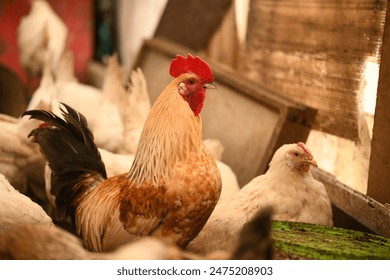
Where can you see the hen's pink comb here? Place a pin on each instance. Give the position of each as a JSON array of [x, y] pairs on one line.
[[191, 64], [304, 148]]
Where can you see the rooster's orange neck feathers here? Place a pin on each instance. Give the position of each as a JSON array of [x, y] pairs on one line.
[[173, 129], [164, 143]]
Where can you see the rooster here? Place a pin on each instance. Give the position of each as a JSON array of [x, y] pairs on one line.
[[172, 186], [288, 187]]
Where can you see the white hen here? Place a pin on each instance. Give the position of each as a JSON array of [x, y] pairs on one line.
[[20, 161], [16, 208], [41, 242], [134, 109], [42, 35], [14, 152], [230, 184], [288, 187], [36, 241], [116, 117]]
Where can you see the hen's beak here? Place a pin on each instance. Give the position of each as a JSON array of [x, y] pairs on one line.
[[312, 162], [210, 86]]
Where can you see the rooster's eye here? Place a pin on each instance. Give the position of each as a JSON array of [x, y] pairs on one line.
[[191, 82]]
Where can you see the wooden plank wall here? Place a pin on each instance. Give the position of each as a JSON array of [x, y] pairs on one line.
[[379, 169], [314, 52]]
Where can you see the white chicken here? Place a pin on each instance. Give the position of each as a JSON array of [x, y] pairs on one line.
[[230, 184], [115, 116], [42, 39], [46, 92], [14, 152], [36, 241], [134, 109], [97, 105], [42, 242], [20, 161], [42, 35], [16, 208], [288, 187], [64, 73]]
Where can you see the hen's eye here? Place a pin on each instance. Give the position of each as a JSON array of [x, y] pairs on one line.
[[296, 154]]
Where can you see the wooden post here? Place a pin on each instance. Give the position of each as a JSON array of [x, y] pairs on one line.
[[191, 22], [379, 170]]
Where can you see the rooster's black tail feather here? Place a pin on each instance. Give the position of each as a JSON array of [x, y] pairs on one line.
[[68, 147]]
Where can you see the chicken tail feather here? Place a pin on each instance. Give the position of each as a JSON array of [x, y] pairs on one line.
[[68, 147]]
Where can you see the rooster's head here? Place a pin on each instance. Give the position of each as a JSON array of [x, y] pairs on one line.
[[195, 77]]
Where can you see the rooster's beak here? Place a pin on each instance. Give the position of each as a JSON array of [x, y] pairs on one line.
[[210, 86]]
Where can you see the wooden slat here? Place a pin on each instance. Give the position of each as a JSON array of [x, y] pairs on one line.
[[191, 22], [379, 170], [314, 52], [362, 208]]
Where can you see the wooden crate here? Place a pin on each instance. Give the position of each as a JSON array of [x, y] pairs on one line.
[[354, 210], [251, 122]]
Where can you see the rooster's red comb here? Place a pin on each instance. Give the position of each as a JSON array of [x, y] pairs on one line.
[[191, 64]]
